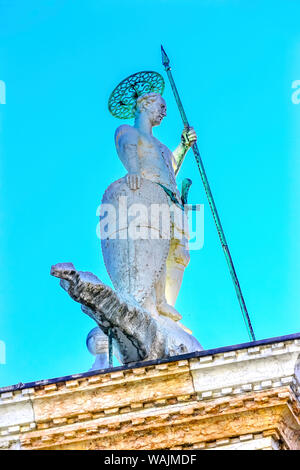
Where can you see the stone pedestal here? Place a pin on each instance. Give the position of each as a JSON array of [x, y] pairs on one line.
[[238, 397]]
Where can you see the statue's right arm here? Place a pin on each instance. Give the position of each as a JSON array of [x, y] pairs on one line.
[[188, 138], [126, 140]]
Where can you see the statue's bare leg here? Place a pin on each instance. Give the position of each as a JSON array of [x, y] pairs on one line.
[[168, 286], [177, 261], [163, 307]]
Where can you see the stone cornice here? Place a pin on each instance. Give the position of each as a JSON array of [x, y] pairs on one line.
[[202, 401], [209, 352]]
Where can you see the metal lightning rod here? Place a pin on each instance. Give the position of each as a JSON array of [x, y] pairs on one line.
[[166, 64]]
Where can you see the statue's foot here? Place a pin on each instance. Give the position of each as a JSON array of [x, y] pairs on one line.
[[169, 311], [150, 306]]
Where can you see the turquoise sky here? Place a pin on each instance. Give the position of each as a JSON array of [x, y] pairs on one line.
[[234, 63]]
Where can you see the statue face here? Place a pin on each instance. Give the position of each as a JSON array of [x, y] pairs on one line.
[[157, 110]]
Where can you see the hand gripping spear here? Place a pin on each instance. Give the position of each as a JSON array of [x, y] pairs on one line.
[[166, 64]]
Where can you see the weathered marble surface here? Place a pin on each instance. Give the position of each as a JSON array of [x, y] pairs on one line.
[[135, 243], [144, 257], [149, 164], [137, 335]]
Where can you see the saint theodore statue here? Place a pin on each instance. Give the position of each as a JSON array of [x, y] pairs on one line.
[[146, 270], [145, 157]]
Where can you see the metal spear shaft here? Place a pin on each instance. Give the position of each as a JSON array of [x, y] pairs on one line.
[[212, 205]]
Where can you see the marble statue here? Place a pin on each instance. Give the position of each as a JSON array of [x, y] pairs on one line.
[[144, 238], [145, 157]]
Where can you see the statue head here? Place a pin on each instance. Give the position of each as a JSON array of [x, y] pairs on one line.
[[153, 105]]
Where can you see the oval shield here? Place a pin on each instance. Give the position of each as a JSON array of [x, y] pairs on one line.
[[135, 236]]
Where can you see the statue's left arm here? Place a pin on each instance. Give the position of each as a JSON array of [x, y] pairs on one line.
[[188, 138]]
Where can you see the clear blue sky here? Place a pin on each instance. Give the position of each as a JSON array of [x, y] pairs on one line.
[[234, 63]]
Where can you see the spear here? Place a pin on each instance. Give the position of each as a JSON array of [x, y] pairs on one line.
[[212, 205]]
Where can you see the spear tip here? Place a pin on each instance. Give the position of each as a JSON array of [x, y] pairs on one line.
[[165, 58]]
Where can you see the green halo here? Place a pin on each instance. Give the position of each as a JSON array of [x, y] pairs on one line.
[[124, 96]]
